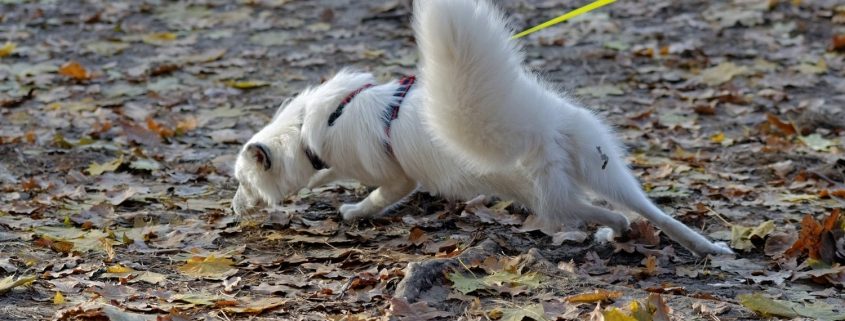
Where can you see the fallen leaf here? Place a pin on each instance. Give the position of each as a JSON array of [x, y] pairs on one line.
[[95, 169], [817, 142], [7, 49], [721, 73], [741, 236], [258, 306], [614, 314], [246, 84], [74, 70], [503, 281], [593, 297], [158, 38], [419, 311], [767, 307], [600, 91], [836, 44], [535, 312], [58, 298], [10, 282], [208, 267]]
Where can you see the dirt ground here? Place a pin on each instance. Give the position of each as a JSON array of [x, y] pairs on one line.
[[120, 122]]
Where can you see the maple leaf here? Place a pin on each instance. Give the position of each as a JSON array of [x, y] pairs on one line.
[[809, 239]]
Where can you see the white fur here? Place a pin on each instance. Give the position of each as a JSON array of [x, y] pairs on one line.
[[475, 123]]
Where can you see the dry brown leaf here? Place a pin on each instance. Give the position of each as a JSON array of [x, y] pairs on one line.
[[786, 128], [259, 306], [208, 267], [809, 239]]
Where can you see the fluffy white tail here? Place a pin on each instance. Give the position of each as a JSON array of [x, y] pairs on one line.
[[475, 84]]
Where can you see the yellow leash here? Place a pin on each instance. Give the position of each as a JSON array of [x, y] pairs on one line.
[[566, 16]]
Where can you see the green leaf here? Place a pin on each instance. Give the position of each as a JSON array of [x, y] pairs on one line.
[[465, 284], [767, 307], [817, 142], [534, 311], [780, 308]]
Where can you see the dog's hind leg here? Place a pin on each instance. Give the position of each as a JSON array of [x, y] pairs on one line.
[[380, 199], [602, 168], [594, 214]]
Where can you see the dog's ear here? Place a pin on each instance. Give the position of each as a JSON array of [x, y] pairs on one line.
[[260, 153]]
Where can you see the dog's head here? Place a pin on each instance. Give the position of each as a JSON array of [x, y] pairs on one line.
[[270, 166], [273, 163]]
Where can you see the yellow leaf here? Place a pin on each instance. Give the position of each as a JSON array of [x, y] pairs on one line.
[[7, 49], [96, 169], [158, 37], [718, 138], [58, 298], [741, 236], [597, 296], [207, 267], [9, 282], [615, 314], [246, 84], [117, 268], [721, 73], [74, 70]]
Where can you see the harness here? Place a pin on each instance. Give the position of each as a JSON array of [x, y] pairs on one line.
[[390, 114]]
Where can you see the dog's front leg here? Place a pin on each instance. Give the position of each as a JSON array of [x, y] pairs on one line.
[[379, 200], [323, 177]]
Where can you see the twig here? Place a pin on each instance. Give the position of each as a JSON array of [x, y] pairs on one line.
[[719, 216]]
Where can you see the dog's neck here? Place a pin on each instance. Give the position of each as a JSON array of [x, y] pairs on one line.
[[315, 160]]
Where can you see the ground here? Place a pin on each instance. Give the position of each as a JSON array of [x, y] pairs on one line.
[[120, 122]]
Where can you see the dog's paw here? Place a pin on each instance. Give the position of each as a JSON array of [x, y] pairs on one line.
[[604, 235], [353, 211]]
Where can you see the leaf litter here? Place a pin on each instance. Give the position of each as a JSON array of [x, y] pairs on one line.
[[117, 132]]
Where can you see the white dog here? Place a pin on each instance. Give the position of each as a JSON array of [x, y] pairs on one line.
[[476, 122]]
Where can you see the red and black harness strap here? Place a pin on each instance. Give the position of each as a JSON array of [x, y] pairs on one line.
[[333, 117], [392, 112], [405, 84]]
